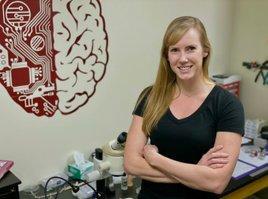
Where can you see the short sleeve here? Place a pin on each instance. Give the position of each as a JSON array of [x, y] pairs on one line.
[[231, 115], [140, 105]]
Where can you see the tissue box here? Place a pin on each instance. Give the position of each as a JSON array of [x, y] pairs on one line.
[[78, 172]]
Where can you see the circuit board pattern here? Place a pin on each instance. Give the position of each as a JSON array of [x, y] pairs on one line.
[[52, 53], [26, 55]]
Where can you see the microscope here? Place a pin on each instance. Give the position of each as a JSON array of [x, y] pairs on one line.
[[108, 162]]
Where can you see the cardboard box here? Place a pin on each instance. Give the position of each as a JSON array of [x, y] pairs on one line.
[[228, 82]]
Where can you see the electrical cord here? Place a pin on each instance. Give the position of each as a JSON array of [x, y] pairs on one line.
[[96, 193], [75, 188]]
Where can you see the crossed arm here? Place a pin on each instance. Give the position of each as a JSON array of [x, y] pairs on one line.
[[134, 162], [212, 173]]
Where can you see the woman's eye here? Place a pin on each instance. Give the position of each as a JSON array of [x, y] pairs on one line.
[[190, 48], [174, 50]]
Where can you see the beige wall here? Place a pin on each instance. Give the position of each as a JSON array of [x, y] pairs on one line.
[[250, 43], [41, 146]]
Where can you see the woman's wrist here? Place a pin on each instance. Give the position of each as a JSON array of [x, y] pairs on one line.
[[154, 160]]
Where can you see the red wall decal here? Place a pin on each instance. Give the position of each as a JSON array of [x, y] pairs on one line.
[[52, 53]]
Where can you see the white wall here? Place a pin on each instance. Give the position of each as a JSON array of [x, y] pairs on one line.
[[250, 43], [41, 146]]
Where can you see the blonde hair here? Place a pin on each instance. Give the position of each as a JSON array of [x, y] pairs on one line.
[[160, 95]]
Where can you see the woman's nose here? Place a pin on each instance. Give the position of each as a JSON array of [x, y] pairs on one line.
[[183, 58]]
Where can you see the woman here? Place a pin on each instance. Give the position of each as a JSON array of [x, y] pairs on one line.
[[184, 114]]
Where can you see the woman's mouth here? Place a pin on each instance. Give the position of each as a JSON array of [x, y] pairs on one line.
[[185, 68]]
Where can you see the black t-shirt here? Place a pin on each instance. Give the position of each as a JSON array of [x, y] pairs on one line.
[[187, 139]]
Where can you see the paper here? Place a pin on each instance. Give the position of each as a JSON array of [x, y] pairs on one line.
[[247, 164], [242, 169]]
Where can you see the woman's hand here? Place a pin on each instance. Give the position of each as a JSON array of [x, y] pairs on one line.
[[149, 152], [214, 158]]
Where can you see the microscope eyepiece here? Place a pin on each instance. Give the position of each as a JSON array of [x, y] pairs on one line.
[[122, 138]]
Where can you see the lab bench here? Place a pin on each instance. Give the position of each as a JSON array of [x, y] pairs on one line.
[[241, 188]]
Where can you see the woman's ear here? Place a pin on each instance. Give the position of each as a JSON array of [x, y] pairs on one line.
[[205, 54]]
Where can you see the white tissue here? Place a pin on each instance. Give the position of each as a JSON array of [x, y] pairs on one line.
[[79, 159]]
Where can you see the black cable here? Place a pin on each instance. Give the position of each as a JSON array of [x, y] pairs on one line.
[[94, 190], [87, 183], [74, 188]]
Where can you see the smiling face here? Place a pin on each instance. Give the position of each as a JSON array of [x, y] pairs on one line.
[[186, 56]]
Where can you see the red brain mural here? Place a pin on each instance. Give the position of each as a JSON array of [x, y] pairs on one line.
[[52, 53]]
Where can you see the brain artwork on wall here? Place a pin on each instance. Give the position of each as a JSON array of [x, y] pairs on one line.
[[53, 53]]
